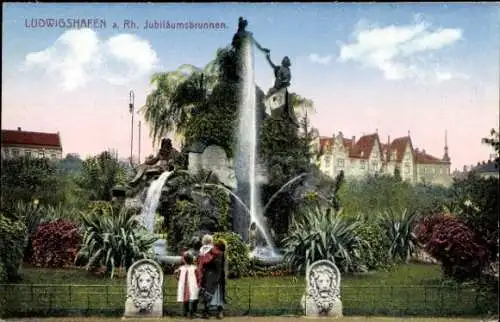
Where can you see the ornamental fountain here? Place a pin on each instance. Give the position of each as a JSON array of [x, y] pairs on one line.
[[250, 217]]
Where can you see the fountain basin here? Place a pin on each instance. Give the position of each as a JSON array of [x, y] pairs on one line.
[[266, 255], [161, 255]]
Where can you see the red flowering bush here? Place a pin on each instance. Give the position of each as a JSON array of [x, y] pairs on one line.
[[55, 244], [449, 240]]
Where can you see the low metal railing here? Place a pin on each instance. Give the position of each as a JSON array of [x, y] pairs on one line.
[[83, 300]]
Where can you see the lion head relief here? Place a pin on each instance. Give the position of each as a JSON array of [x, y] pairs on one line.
[[323, 280], [145, 282]]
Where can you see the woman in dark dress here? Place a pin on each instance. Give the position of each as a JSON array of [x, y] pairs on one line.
[[212, 266]]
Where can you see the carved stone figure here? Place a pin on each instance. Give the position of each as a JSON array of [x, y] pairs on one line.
[[144, 290], [165, 160], [322, 296]]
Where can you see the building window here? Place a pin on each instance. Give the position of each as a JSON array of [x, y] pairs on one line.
[[362, 164], [328, 160], [41, 154], [7, 152], [375, 165], [340, 163], [53, 156], [28, 154], [407, 168], [15, 152]]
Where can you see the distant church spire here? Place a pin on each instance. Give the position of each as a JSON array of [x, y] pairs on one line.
[[446, 157]]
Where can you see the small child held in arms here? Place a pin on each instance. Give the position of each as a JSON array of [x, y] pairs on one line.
[[188, 285]]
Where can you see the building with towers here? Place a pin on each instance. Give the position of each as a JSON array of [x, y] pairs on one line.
[[369, 155]]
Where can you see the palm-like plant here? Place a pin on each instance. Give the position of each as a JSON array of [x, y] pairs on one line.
[[100, 174], [399, 227], [113, 241], [322, 233]]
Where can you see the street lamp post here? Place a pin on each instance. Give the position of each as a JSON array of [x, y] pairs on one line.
[[131, 110], [139, 142]]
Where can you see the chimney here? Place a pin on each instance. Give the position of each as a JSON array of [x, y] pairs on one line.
[[423, 151], [465, 168], [19, 128], [353, 141]]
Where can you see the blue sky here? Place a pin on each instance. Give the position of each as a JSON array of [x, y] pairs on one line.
[[452, 77]]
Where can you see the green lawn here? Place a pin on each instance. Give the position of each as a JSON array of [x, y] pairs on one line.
[[412, 289], [270, 319]]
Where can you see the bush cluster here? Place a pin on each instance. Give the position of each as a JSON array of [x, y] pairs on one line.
[[13, 239], [55, 244], [237, 254], [375, 252]]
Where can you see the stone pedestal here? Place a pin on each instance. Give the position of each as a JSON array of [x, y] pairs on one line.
[[144, 290], [322, 295]]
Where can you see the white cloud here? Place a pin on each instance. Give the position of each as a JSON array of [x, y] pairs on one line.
[[79, 56], [315, 58], [401, 52]]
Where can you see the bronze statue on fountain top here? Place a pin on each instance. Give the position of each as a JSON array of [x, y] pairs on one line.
[[277, 99], [166, 160]]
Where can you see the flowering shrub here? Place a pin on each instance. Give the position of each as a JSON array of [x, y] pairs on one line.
[[454, 244], [55, 244]]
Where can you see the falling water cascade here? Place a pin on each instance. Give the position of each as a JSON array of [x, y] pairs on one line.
[[152, 201], [148, 217]]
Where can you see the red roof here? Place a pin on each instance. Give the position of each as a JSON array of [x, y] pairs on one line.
[[399, 146], [327, 142], [363, 148], [424, 158], [12, 137]]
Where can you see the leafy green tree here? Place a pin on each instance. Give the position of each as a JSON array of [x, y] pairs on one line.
[[478, 201], [100, 174], [494, 141], [179, 95], [28, 179], [72, 163], [397, 174], [308, 134]]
